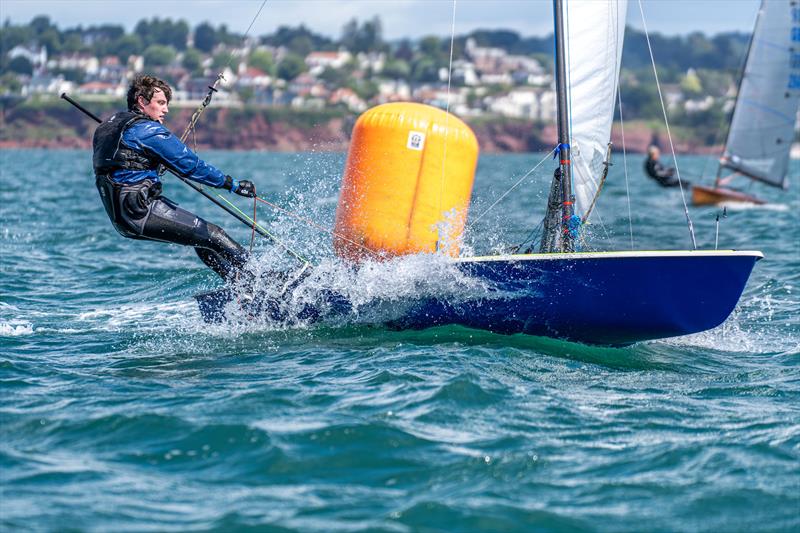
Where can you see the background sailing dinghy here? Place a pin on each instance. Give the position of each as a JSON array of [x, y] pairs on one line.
[[762, 127], [406, 190]]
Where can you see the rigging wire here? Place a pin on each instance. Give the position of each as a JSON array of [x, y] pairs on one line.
[[669, 134], [533, 237], [625, 164], [546, 157], [447, 108]]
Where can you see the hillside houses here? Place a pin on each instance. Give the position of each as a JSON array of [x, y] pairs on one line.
[[360, 85], [480, 81]]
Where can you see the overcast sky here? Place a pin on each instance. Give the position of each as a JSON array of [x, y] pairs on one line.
[[400, 18]]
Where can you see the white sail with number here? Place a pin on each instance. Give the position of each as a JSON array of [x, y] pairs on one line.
[[762, 127]]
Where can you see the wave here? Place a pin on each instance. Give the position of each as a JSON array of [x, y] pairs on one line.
[[15, 329]]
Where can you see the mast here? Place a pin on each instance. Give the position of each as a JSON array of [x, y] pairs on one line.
[[567, 211]]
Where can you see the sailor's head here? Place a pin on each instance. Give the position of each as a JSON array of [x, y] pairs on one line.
[[149, 95], [653, 152]]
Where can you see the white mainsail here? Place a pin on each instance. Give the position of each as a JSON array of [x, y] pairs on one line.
[[762, 127], [594, 34]]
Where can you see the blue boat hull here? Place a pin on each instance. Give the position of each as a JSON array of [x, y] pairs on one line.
[[615, 298]]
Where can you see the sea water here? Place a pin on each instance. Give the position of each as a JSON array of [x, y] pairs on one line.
[[122, 410]]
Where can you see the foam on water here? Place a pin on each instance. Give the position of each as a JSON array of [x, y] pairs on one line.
[[376, 291], [161, 316], [15, 329]]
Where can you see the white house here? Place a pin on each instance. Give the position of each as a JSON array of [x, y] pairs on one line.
[[37, 57], [45, 84], [317, 62]]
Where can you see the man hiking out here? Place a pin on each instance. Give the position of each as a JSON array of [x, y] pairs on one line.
[[129, 147], [665, 176]]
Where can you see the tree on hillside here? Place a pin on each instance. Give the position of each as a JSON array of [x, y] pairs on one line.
[[163, 32], [404, 51], [290, 67], [703, 51], [640, 101], [157, 55], [21, 65], [192, 61], [284, 35], [431, 46], [104, 32], [126, 46], [100, 40], [227, 38], [505, 39], [425, 70], [366, 89], [396, 69], [41, 24], [368, 37], [72, 42], [220, 61], [731, 48], [205, 37], [262, 60], [46, 34], [11, 36], [335, 77], [301, 45], [9, 83]]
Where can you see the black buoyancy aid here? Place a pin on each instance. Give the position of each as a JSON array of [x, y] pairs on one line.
[[111, 154]]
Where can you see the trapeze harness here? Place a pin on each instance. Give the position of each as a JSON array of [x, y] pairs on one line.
[[139, 211]]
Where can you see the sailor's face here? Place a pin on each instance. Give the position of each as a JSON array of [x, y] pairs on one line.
[[157, 107]]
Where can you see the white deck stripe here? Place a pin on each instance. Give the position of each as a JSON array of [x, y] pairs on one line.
[[612, 255]]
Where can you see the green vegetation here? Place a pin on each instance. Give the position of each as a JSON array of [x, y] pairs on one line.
[[697, 72]]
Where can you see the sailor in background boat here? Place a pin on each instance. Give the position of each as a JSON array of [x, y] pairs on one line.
[[665, 176], [128, 149]]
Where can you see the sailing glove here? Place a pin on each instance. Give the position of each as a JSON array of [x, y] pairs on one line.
[[241, 187]]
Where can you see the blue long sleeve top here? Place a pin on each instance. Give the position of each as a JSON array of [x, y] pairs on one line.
[[153, 139]]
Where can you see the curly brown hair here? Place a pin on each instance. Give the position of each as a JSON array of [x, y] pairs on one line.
[[144, 86]]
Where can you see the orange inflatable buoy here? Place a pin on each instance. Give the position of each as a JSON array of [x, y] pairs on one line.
[[407, 182]]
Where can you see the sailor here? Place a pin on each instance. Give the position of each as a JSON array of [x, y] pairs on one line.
[[665, 176], [128, 149]]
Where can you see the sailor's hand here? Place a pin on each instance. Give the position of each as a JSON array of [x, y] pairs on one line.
[[242, 188], [246, 188]]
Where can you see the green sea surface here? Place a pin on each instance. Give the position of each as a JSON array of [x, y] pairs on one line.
[[120, 409]]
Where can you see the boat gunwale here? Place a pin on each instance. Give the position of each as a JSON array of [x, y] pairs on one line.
[[611, 255]]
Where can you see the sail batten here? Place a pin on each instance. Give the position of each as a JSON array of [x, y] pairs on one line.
[[762, 126]]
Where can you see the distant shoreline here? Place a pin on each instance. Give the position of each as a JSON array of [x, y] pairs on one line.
[[56, 125]]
